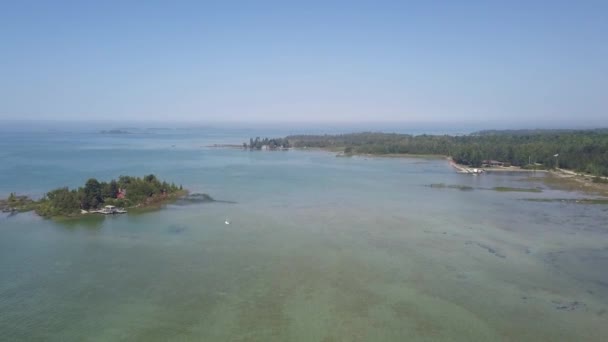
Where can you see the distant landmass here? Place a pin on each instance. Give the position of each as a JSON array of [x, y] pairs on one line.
[[538, 131], [115, 131], [584, 151]]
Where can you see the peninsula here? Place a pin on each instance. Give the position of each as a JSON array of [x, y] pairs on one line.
[[582, 151], [126, 191]]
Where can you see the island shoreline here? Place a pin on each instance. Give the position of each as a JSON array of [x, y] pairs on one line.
[[108, 198]]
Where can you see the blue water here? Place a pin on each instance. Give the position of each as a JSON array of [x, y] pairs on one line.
[[319, 248]]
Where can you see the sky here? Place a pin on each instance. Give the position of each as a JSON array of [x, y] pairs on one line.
[[305, 61]]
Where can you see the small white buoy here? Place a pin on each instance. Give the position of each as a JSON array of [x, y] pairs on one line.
[[227, 222]]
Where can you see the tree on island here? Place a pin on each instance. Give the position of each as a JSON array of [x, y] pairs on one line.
[[92, 194], [271, 144]]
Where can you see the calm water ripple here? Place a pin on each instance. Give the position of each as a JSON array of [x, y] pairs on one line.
[[319, 249]]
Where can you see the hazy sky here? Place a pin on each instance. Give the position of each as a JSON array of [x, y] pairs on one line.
[[310, 61]]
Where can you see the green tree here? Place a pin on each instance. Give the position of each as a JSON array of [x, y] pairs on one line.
[[92, 194], [150, 178]]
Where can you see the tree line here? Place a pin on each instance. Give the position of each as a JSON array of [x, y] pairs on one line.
[[272, 144], [581, 150]]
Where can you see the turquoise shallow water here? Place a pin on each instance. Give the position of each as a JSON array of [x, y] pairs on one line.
[[319, 249]]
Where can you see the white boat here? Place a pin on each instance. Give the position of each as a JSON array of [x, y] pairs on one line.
[[473, 171], [110, 210]]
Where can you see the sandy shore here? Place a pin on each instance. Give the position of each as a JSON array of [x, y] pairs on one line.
[[559, 179], [573, 181], [468, 169]]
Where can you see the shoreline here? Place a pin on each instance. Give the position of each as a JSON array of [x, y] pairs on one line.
[[467, 169], [570, 180], [561, 179], [573, 181], [392, 155], [151, 204], [459, 167]]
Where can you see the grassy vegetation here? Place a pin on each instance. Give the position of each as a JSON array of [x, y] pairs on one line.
[[470, 188], [578, 184], [17, 203], [444, 186]]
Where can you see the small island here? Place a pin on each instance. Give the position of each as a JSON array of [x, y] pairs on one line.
[[124, 192]]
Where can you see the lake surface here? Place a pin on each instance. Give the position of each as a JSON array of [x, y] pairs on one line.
[[319, 248]]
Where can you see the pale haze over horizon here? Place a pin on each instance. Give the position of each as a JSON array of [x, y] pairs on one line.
[[375, 61]]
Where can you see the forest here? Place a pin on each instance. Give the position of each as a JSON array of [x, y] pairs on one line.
[[271, 144], [579, 150]]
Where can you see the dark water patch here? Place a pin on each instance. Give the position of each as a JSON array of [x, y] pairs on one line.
[[11, 213], [196, 198], [448, 186], [199, 198], [569, 200], [223, 201], [490, 249], [584, 265], [510, 189], [569, 306], [470, 188], [177, 228]]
